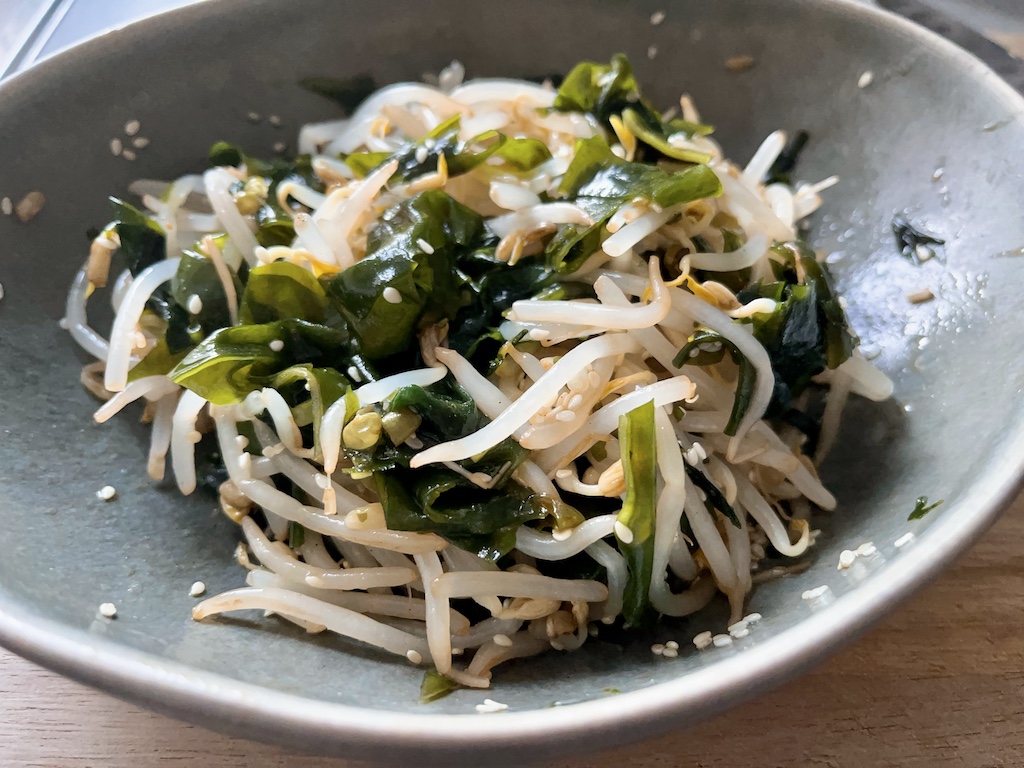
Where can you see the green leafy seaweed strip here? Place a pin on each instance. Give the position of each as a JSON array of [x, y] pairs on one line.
[[600, 183], [610, 92], [639, 464], [745, 380], [415, 158], [922, 508], [435, 686]]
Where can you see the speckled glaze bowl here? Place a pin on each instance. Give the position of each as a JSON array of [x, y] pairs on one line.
[[935, 135]]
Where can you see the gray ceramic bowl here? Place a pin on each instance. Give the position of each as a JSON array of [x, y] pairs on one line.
[[936, 135]]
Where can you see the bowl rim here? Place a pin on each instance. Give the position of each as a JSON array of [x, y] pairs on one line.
[[252, 711]]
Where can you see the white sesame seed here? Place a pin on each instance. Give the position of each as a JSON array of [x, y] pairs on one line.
[[903, 540], [865, 79], [274, 120], [279, 146], [741, 624], [623, 533], [867, 549], [652, 52], [702, 640], [846, 558], [414, 442], [503, 640], [276, 345], [699, 450], [7, 206], [592, 630], [579, 382], [314, 581], [561, 534], [195, 304], [672, 645], [557, 645], [563, 473], [739, 632], [194, 436], [565, 415], [657, 17], [923, 252], [108, 610], [752, 618], [425, 246], [539, 334], [814, 594], [720, 641], [132, 127], [254, 117], [457, 651], [490, 705], [392, 296], [115, 147], [657, 649], [128, 155], [2, 292], [322, 481], [140, 142], [870, 351], [353, 373], [414, 656], [421, 154], [198, 589], [106, 493], [574, 402]]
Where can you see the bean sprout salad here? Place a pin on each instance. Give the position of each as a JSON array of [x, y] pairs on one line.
[[488, 365]]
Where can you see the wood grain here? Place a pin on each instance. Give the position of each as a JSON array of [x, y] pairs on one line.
[[939, 684]]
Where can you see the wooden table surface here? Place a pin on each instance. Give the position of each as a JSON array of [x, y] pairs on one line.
[[939, 684]]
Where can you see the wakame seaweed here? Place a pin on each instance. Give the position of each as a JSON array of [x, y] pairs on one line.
[[611, 93], [922, 508], [745, 380], [600, 183], [807, 332], [637, 516], [414, 250], [909, 238], [416, 158]]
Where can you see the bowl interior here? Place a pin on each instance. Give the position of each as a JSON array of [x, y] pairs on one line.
[[933, 135]]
